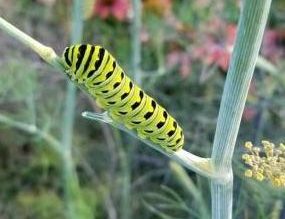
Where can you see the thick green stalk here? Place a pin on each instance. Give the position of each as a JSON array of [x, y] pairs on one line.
[[250, 31]]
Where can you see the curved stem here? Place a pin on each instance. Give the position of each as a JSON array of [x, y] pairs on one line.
[[136, 42], [188, 160], [33, 130]]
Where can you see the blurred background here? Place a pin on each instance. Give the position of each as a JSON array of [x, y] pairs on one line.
[[49, 170]]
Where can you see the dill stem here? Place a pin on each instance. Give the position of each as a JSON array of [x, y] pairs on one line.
[[251, 27]]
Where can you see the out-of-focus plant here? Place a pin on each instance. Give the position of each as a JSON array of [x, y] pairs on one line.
[[218, 167], [215, 47], [273, 47], [47, 2], [117, 9], [266, 163], [158, 7], [74, 200]]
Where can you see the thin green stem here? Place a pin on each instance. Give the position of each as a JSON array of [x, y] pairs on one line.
[[266, 65], [188, 160], [75, 205], [125, 176], [250, 31], [47, 53], [136, 42], [159, 44], [68, 117], [124, 152], [271, 69], [33, 130]]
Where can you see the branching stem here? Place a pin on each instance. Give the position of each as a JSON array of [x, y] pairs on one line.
[[250, 31]]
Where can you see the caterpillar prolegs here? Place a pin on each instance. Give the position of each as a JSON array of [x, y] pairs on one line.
[[96, 69]]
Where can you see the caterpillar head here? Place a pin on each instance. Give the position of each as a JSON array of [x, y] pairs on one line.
[[67, 56], [72, 57]]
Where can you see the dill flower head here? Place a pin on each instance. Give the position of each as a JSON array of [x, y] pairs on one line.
[[265, 163]]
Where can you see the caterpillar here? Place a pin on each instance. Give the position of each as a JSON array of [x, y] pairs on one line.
[[94, 68]]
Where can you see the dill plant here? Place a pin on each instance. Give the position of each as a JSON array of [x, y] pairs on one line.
[[217, 168]]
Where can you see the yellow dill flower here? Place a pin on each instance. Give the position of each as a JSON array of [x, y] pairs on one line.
[[266, 162], [248, 145], [259, 176], [248, 173]]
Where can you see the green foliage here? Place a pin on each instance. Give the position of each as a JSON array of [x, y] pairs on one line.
[[31, 178], [167, 204], [25, 82], [43, 204]]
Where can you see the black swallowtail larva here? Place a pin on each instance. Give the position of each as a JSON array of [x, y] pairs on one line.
[[96, 69]]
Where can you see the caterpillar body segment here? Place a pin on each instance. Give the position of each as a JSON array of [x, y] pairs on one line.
[[95, 69]]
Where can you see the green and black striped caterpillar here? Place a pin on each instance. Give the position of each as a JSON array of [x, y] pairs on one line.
[[96, 69]]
